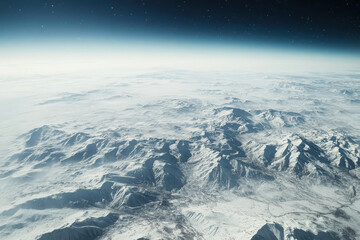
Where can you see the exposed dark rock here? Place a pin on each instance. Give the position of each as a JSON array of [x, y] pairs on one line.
[[299, 234], [270, 232], [89, 229]]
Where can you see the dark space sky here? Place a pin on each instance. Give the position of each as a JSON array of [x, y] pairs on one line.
[[316, 23]]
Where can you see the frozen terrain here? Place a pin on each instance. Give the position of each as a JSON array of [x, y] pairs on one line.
[[180, 155]]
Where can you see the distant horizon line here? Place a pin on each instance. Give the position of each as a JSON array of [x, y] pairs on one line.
[[68, 38]]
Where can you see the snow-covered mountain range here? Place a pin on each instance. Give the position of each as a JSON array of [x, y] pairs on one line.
[[182, 155]]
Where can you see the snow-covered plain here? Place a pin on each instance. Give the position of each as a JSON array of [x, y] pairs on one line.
[[171, 154]]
